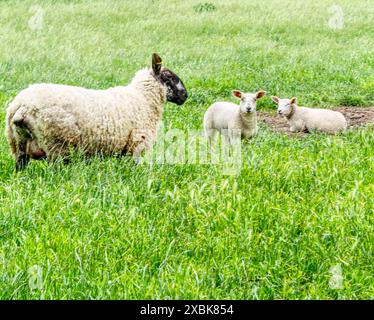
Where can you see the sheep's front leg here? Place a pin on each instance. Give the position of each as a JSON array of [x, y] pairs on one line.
[[225, 136], [298, 126], [139, 150], [231, 134], [140, 142], [22, 158], [58, 152]]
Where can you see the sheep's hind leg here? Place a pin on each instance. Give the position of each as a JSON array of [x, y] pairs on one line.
[[22, 158]]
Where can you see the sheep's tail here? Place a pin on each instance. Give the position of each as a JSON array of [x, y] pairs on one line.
[[14, 117], [9, 129]]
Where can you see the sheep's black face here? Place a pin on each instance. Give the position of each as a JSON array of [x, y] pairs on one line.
[[175, 90]]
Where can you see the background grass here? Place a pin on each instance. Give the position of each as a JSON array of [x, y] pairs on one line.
[[110, 229]]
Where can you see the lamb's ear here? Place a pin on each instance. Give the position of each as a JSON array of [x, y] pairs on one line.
[[293, 100], [260, 94], [156, 64], [237, 94], [275, 99]]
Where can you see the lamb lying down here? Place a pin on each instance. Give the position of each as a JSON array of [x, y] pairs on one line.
[[230, 117], [47, 120], [310, 119]]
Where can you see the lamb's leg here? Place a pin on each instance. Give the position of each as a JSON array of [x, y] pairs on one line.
[[302, 128], [209, 135], [22, 158], [230, 136], [298, 126], [227, 134]]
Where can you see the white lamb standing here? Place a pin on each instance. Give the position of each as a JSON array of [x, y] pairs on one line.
[[47, 120], [229, 118], [310, 119]]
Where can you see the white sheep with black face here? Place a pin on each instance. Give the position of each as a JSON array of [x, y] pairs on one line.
[[47, 120], [309, 119], [222, 116]]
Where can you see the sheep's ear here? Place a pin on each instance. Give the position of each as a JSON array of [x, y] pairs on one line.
[[260, 94], [156, 63], [293, 100], [275, 99], [237, 94]]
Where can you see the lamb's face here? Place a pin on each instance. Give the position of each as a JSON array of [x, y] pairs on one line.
[[248, 100], [248, 103], [175, 90], [285, 106]]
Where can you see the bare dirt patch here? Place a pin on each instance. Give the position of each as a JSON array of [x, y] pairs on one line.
[[356, 117]]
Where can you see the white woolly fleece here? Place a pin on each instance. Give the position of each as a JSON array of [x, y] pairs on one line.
[[312, 119], [114, 121], [228, 116]]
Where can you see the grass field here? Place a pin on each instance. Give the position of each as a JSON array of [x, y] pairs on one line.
[[296, 223]]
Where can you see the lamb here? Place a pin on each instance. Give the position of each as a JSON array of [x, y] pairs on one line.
[[48, 120], [229, 117], [310, 119]]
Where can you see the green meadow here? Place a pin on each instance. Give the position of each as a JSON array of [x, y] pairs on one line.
[[297, 222]]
